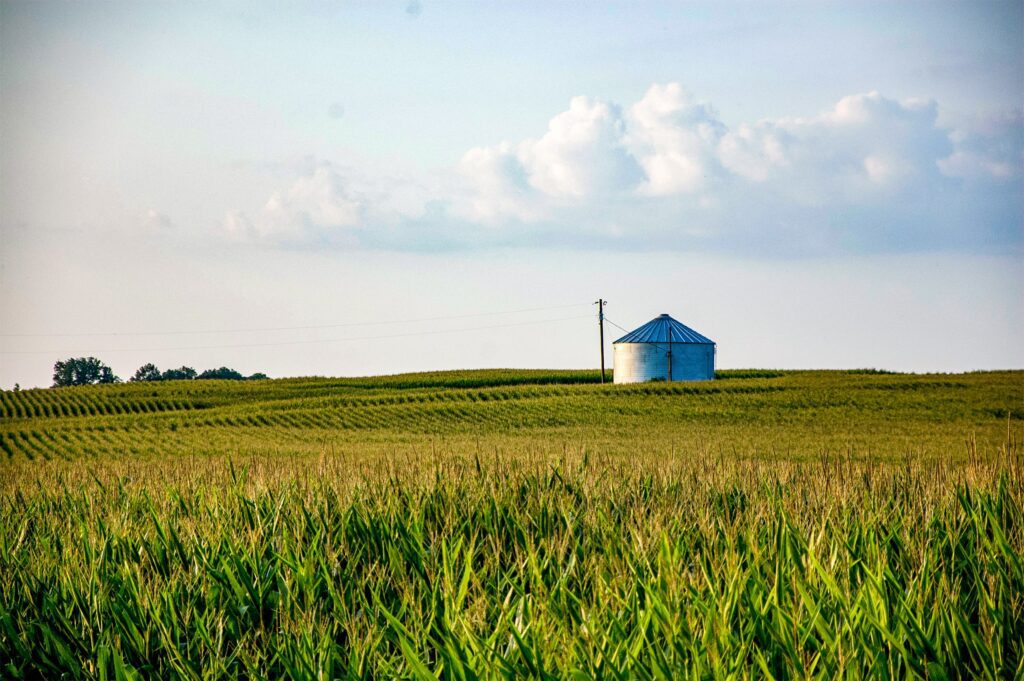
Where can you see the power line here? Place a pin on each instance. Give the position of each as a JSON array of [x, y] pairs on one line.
[[306, 342], [285, 328], [614, 324]]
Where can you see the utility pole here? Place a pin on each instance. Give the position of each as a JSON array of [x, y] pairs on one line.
[[601, 302]]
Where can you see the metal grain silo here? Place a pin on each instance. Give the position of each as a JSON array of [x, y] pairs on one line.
[[663, 350]]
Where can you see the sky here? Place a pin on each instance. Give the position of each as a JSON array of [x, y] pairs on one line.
[[371, 188]]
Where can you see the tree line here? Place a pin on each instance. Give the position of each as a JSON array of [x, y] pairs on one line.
[[90, 370]]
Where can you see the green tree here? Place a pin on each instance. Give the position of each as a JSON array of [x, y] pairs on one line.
[[179, 374], [147, 372], [82, 371], [223, 373]]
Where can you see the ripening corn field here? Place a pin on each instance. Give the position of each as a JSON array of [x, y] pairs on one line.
[[515, 524]]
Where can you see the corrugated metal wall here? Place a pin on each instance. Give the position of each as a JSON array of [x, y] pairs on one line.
[[641, 362]]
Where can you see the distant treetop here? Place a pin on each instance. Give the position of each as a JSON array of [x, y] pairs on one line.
[[82, 371], [149, 372]]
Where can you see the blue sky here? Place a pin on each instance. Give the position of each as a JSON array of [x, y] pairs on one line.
[[258, 149]]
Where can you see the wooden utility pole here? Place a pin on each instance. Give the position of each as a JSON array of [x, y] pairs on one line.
[[601, 302]]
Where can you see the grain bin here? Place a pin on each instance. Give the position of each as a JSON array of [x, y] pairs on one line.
[[663, 350]]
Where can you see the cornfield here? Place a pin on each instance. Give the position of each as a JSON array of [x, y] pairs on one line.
[[486, 525]]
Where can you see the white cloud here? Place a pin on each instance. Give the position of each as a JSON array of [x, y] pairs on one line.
[[318, 207], [754, 151], [671, 145], [497, 187], [674, 137], [581, 158], [320, 201], [329, 204], [865, 148], [870, 171], [582, 153]]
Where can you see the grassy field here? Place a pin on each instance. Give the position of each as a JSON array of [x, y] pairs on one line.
[[516, 524]]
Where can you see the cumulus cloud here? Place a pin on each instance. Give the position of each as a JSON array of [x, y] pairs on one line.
[[869, 173], [581, 154], [320, 201], [674, 138], [497, 186], [332, 205], [755, 152], [865, 148], [318, 206]]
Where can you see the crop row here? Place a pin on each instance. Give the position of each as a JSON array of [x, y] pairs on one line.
[[214, 416], [72, 442], [520, 393], [71, 403], [69, 444], [217, 430], [78, 403]]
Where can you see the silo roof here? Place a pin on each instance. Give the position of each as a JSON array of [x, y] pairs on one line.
[[664, 329]]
